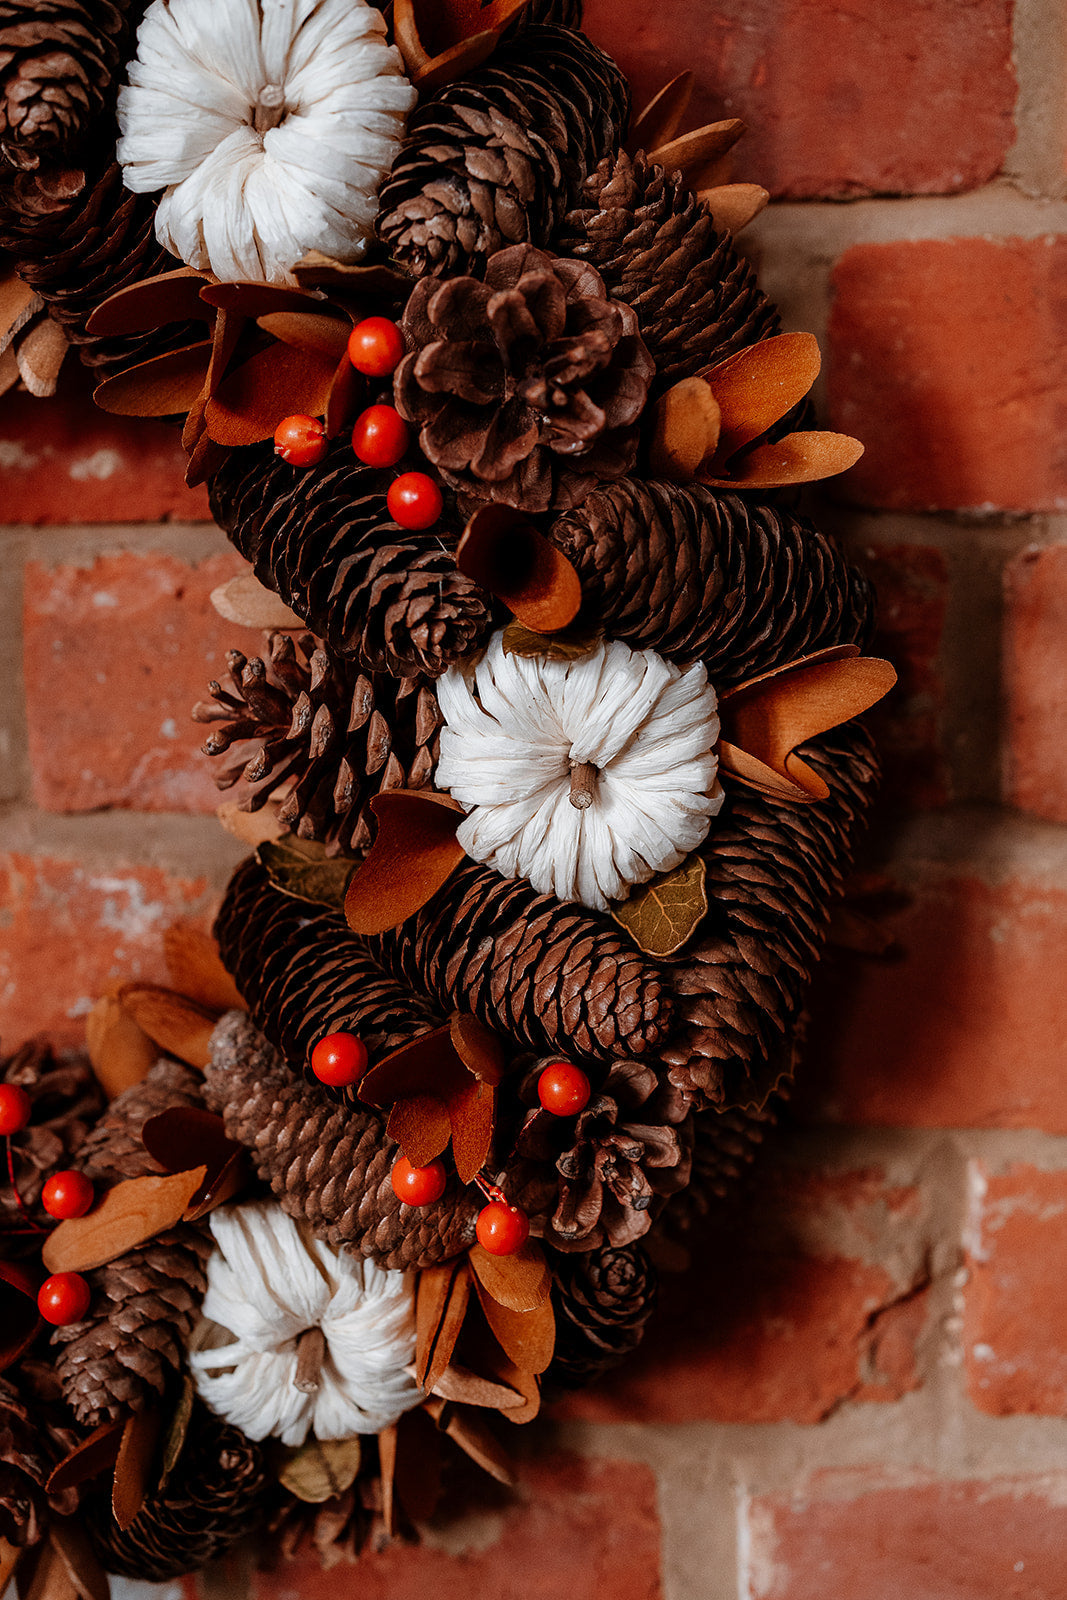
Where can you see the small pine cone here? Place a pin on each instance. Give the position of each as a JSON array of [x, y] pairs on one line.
[[58, 59], [551, 13], [657, 248], [497, 157], [702, 576], [603, 1301], [65, 1100], [304, 974], [601, 1178], [328, 1165], [33, 1440], [340, 736], [114, 1150], [324, 541], [216, 1495]]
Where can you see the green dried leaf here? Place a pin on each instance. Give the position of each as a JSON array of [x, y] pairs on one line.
[[174, 1440], [569, 645], [321, 1468], [301, 868], [663, 915]]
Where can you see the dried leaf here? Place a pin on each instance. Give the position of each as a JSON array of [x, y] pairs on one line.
[[272, 384], [756, 387], [696, 154], [521, 641], [84, 1572], [504, 551], [164, 386], [442, 1297], [125, 1216], [467, 1388], [387, 1471], [526, 1384], [734, 205], [414, 855], [373, 279], [425, 1065], [196, 968], [183, 1137], [120, 1051], [528, 1338], [177, 1430], [249, 299], [798, 458], [474, 1436], [178, 1026], [521, 1281], [133, 1467], [251, 827], [663, 915], [301, 868], [95, 1454], [321, 331], [40, 354], [251, 604], [685, 430], [470, 1111], [19, 1318], [663, 116], [152, 303], [420, 1125], [478, 1047], [321, 1469]]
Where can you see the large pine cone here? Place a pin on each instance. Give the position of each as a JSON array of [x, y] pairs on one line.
[[58, 59], [33, 1439], [325, 542], [657, 248], [328, 1165], [603, 1301], [340, 736], [65, 1100], [216, 1495], [529, 387], [498, 157]]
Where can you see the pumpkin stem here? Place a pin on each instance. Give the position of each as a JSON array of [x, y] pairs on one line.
[[310, 1352], [269, 108], [583, 783]]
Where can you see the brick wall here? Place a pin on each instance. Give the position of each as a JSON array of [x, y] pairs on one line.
[[861, 1392]]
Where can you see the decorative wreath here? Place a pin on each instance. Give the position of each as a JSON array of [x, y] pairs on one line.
[[550, 761]]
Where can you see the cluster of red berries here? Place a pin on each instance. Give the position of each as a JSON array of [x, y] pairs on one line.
[[380, 438], [65, 1296]]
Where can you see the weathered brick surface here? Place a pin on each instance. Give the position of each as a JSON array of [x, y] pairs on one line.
[[839, 100], [944, 359], [1015, 1325], [784, 1318], [116, 654], [1035, 682], [851, 1535]]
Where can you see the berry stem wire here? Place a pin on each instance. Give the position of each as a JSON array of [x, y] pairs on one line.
[[32, 1227]]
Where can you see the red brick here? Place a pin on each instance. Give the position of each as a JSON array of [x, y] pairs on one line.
[[116, 655], [944, 360], [63, 461], [573, 1528], [839, 100], [851, 1535], [68, 930], [965, 1026], [1035, 682], [1015, 1317], [789, 1320]]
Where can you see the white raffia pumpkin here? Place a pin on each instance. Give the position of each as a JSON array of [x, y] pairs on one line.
[[585, 777], [269, 1283], [269, 124]]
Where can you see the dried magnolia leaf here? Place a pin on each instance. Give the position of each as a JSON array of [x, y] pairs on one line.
[[417, 1476], [504, 551], [183, 1137], [152, 303], [756, 387], [95, 1454], [275, 383], [526, 1384], [251, 827], [734, 205], [527, 1338], [249, 300], [663, 116], [420, 1125], [19, 1318], [663, 915], [196, 968], [521, 1281], [685, 430], [120, 1051], [470, 1111], [164, 386], [478, 1047], [301, 868], [425, 1065], [467, 1388], [133, 1466], [251, 604], [696, 154], [321, 1469], [442, 1297], [520, 641], [177, 1430], [415, 853], [476, 1439], [798, 458], [178, 1026], [85, 1574], [125, 1216]]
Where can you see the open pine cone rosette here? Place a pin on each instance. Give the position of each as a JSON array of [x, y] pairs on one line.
[[551, 792]]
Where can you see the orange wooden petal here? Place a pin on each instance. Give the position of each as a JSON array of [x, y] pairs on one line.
[[179, 1026], [163, 386], [125, 1217], [186, 1136], [662, 117], [474, 1436], [685, 430], [798, 458], [427, 1065], [757, 775], [120, 1051], [441, 1298], [275, 383], [205, 461], [755, 388], [19, 304], [387, 1439], [346, 390], [309, 330], [734, 205], [528, 1338], [227, 334], [442, 39], [470, 1111], [506, 553], [169, 297], [94, 1454], [478, 1047], [133, 1466], [696, 154], [253, 299], [521, 1281], [421, 1126], [464, 1387], [414, 854], [196, 968], [526, 1383]]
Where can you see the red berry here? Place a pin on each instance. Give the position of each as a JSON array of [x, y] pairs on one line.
[[339, 1060], [502, 1229], [67, 1194], [63, 1298], [414, 500], [301, 441], [380, 436], [417, 1186], [563, 1089], [14, 1108], [375, 346]]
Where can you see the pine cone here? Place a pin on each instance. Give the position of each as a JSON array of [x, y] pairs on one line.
[[527, 387], [553, 13], [603, 1301], [216, 1495], [33, 1440], [498, 157], [339, 735], [698, 575], [657, 248], [65, 1100], [601, 1178], [324, 541], [114, 1149], [58, 60], [328, 1165]]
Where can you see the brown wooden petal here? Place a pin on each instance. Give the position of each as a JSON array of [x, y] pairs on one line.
[[164, 386], [478, 1047], [320, 332], [152, 303], [19, 304], [133, 1468], [254, 299], [662, 117], [250, 604], [475, 1438], [387, 1441], [125, 1216], [528, 1338], [798, 458], [441, 1300], [196, 968], [427, 1064], [193, 428], [421, 1126], [40, 354], [755, 388], [734, 205], [696, 154], [366, 280], [685, 430], [521, 1281], [252, 828], [95, 1454], [470, 1111], [526, 1383], [120, 1052], [469, 1388], [505, 552], [20, 1320], [183, 1137], [414, 855], [207, 459], [177, 1025], [256, 395], [229, 326]]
